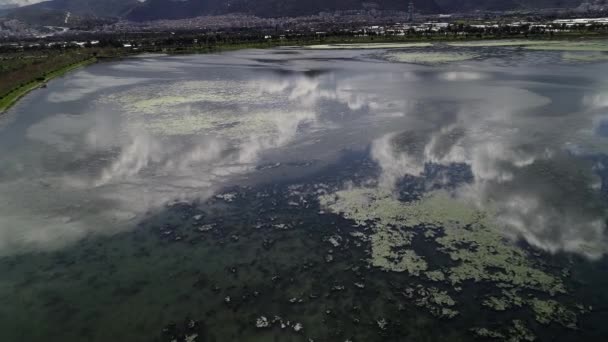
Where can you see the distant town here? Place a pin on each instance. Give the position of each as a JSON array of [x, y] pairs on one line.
[[589, 17]]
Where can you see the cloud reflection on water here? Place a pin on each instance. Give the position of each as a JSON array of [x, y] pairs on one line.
[[110, 166], [524, 176], [144, 143]]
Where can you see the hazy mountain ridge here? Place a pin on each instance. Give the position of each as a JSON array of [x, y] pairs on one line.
[[501, 5], [180, 9], [101, 8], [170, 9], [55, 13]]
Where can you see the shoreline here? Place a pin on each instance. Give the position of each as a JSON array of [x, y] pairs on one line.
[[19, 92]]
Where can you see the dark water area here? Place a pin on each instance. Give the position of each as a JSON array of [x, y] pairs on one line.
[[309, 195]]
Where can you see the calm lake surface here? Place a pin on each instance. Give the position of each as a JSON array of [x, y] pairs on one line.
[[412, 194]]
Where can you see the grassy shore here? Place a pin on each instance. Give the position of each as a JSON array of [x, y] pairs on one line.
[[17, 93]]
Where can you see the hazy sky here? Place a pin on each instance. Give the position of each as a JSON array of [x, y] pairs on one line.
[[24, 2], [19, 2]]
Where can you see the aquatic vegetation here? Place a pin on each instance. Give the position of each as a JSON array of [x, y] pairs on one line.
[[480, 248], [369, 46], [548, 311], [438, 302], [558, 45], [435, 275], [496, 303], [467, 235], [570, 46], [429, 57], [234, 110], [497, 43], [486, 333], [364, 205], [405, 261], [585, 57], [519, 332]]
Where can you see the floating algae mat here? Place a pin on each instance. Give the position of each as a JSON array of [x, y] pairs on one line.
[[369, 46], [498, 43], [549, 45], [429, 57], [316, 195], [452, 226], [570, 46], [585, 56]]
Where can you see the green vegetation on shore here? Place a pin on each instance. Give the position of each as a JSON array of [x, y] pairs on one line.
[[9, 99]]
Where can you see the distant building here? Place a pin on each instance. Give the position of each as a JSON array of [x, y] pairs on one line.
[[410, 11]]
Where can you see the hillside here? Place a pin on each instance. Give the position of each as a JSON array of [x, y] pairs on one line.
[[169, 9], [98, 8], [501, 5], [179, 9]]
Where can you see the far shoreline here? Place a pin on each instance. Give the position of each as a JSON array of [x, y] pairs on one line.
[[22, 90]]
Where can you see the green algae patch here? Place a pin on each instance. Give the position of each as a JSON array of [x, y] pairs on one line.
[[386, 256], [497, 303], [215, 108], [430, 58], [517, 332], [364, 205], [435, 276], [498, 43], [438, 302], [468, 237], [585, 57], [487, 333], [548, 311], [486, 256], [368, 46], [570, 46]]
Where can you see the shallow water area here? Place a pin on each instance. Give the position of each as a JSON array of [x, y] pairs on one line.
[[298, 194]]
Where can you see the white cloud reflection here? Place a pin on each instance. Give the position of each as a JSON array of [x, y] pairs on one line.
[[523, 175], [108, 167], [150, 143]]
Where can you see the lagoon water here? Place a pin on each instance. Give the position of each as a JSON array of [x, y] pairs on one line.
[[301, 194]]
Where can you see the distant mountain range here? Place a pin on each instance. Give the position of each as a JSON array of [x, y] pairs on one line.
[[174, 9], [501, 5], [55, 12], [180, 9], [171, 9]]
